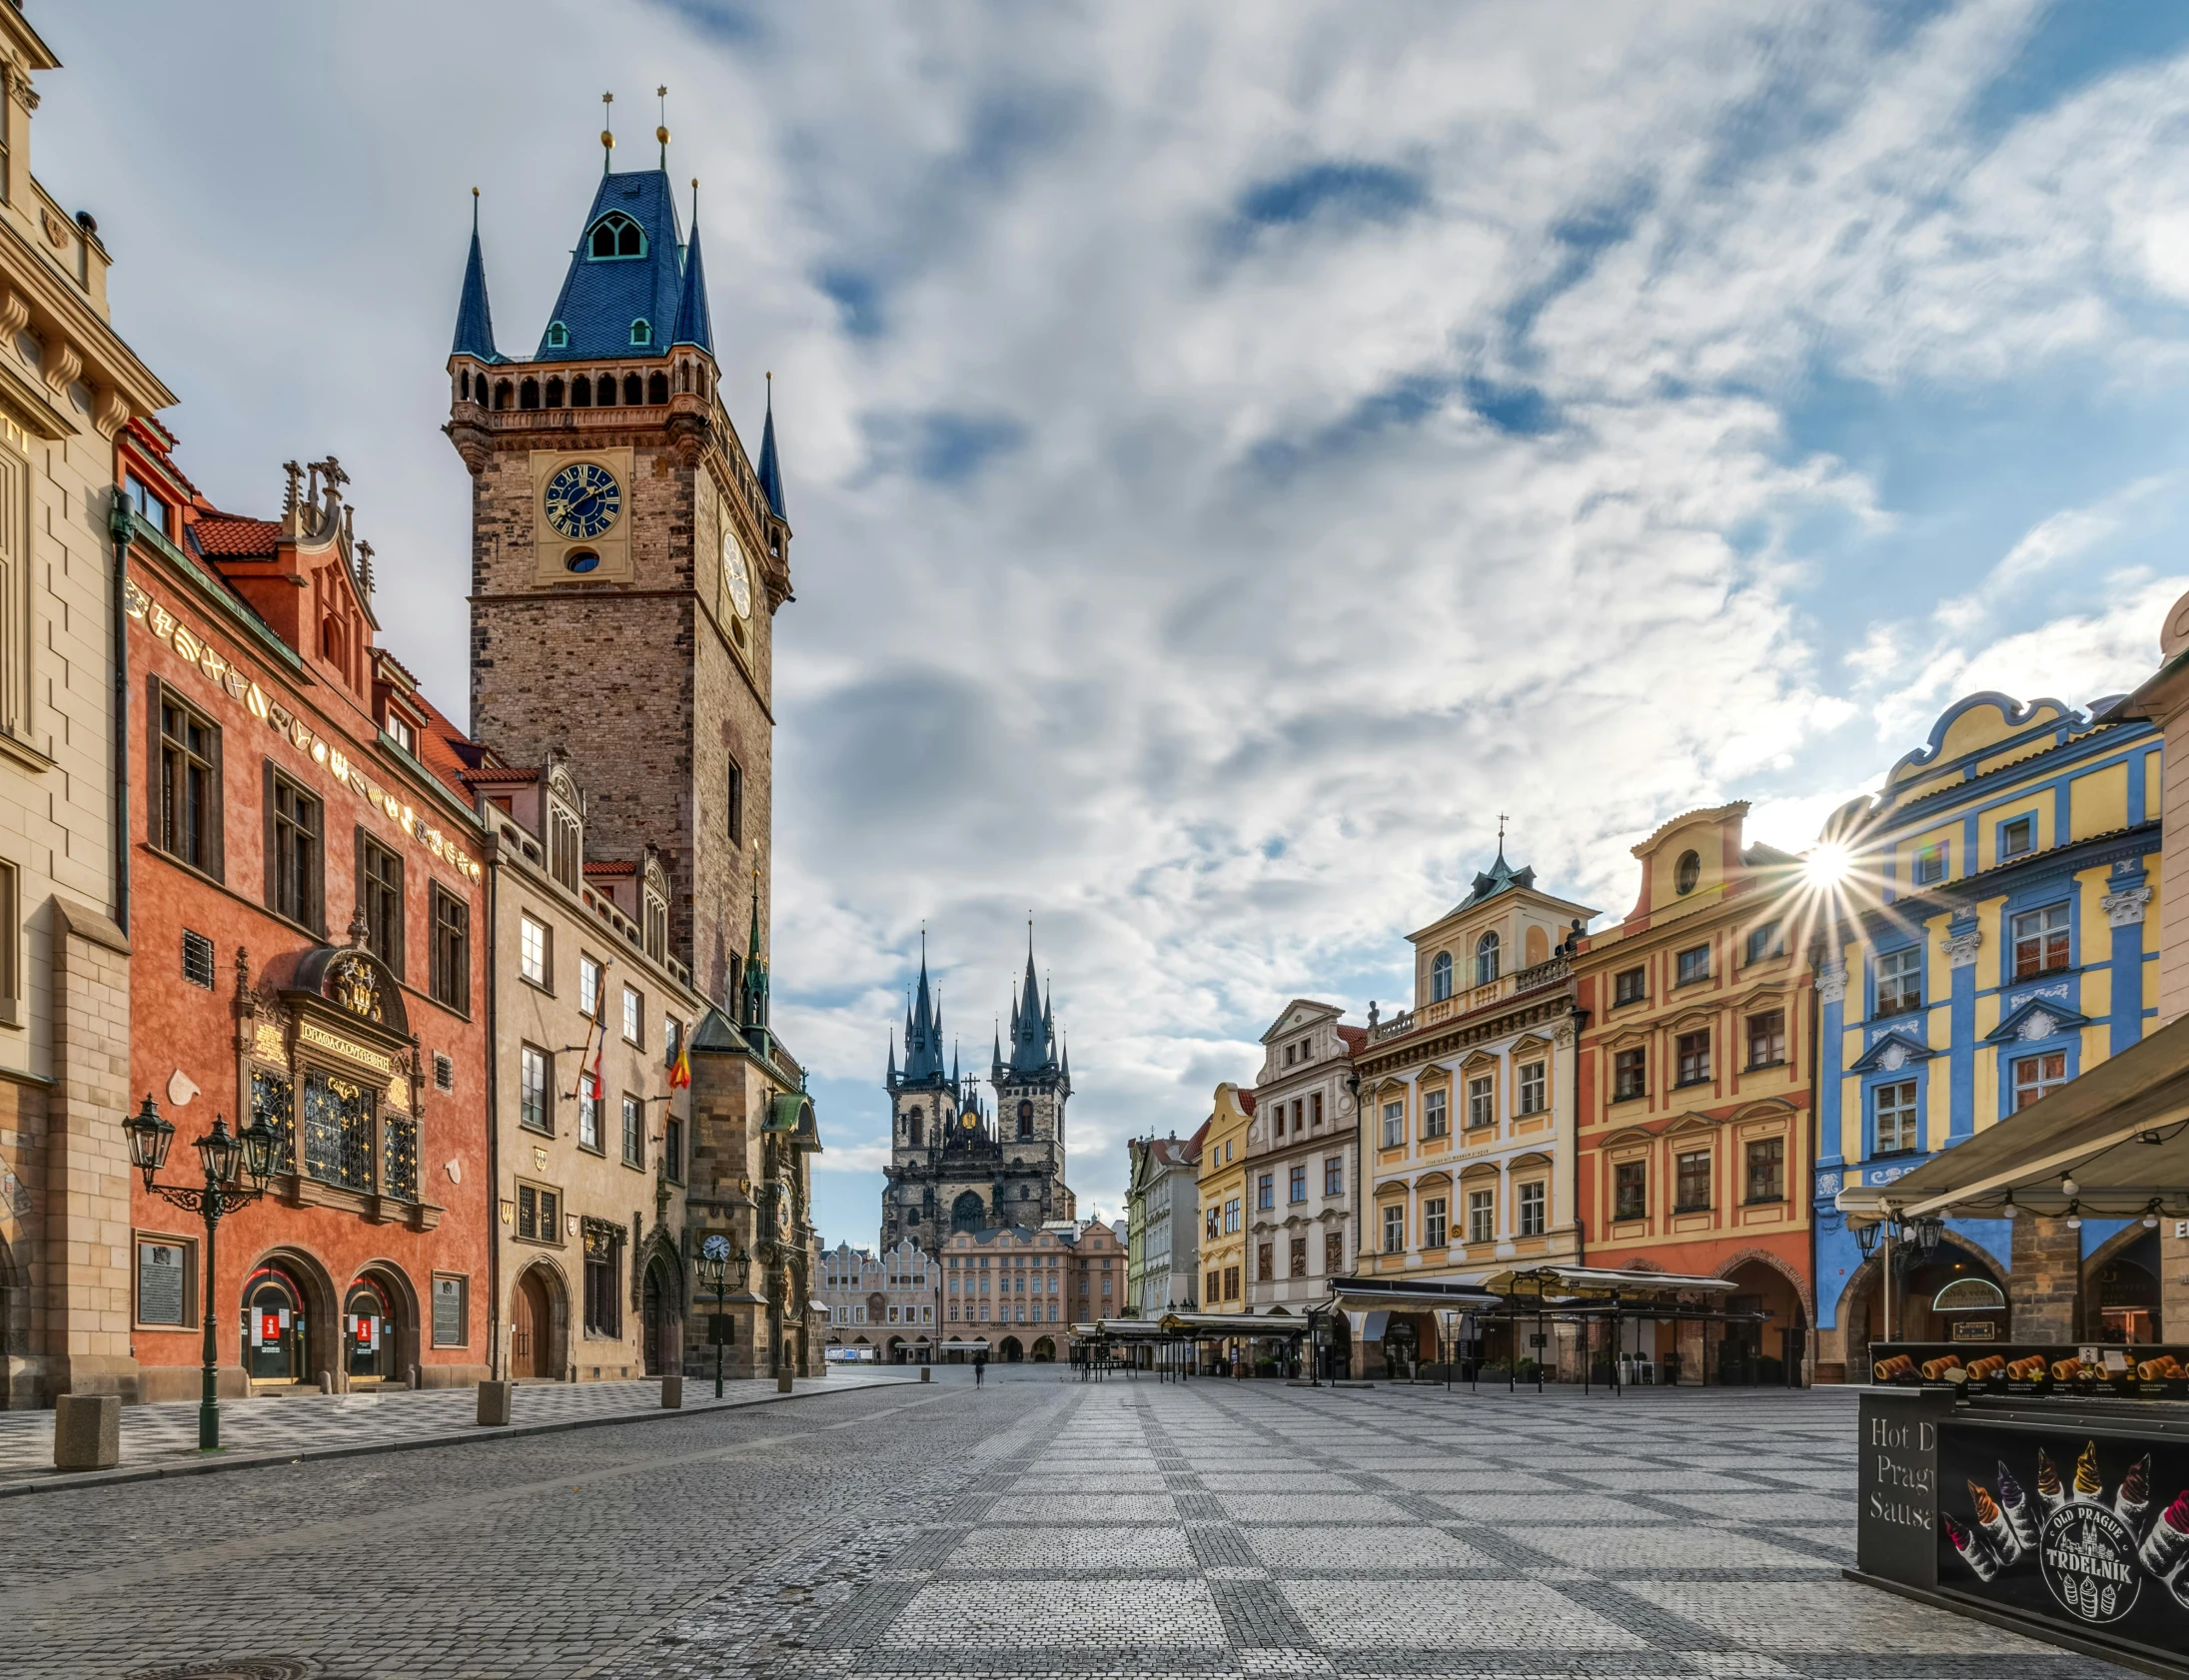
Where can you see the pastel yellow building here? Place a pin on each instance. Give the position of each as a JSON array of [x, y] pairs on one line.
[[1222, 1182]]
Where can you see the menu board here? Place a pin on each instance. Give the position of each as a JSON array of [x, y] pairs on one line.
[[2135, 1371], [2089, 1531], [163, 1281]]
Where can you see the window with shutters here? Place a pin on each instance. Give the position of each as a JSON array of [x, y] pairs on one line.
[[186, 817]]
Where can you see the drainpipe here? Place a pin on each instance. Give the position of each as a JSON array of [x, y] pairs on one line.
[[494, 1367], [1580, 1018], [120, 526]]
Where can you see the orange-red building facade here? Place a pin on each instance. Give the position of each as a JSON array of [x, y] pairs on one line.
[[1692, 1085], [307, 938]]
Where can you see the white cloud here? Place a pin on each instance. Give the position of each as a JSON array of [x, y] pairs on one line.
[[1314, 542]]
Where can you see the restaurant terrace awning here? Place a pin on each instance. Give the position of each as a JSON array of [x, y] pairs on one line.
[[1234, 1324], [977, 1346], [2120, 1132], [1404, 1294], [1581, 1282]]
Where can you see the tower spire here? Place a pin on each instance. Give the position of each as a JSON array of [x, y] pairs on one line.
[[473, 319], [769, 470], [661, 132], [693, 324], [607, 133]]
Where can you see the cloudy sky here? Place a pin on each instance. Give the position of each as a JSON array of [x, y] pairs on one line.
[[1236, 451]]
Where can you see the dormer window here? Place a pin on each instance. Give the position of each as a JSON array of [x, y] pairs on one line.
[[559, 336], [615, 234], [565, 855], [642, 332], [401, 732]]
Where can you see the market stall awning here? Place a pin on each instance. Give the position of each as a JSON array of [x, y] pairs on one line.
[[1234, 1324], [955, 1346], [1123, 1329], [2121, 1130], [1583, 1282]]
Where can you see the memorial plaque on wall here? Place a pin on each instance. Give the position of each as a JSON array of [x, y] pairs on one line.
[[2088, 1533], [1898, 1486], [448, 1324], [163, 1281]]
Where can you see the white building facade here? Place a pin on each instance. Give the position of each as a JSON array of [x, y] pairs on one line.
[[1162, 1234], [881, 1307]]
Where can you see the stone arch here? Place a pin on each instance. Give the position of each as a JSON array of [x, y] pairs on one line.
[[1764, 1256], [322, 1303], [396, 1284], [550, 1356], [659, 1277], [2090, 1320], [1863, 1292], [14, 1316]]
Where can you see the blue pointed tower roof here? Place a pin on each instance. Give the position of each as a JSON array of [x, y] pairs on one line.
[[694, 325], [923, 1044], [603, 295], [473, 319], [1029, 1031], [770, 469]]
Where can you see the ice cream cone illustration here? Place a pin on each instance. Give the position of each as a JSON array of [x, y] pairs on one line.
[[1974, 1552], [2132, 1499], [2014, 1502], [2088, 1486], [2051, 1494], [2168, 1542], [1992, 1521]]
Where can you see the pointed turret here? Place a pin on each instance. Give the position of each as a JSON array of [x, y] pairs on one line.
[[769, 470], [753, 1011], [923, 1039], [1029, 1025], [474, 319], [620, 295], [890, 1082], [694, 325]]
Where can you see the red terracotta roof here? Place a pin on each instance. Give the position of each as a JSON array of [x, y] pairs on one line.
[[443, 748], [1194, 1142], [1246, 1099], [1356, 1036], [611, 867], [233, 536]]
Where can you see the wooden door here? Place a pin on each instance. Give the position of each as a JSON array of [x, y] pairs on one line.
[[529, 1329]]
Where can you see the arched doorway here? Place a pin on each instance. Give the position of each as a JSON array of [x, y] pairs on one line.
[[1401, 1345], [1044, 1350], [1770, 1349], [2127, 1293], [368, 1323], [1011, 1351], [895, 1349], [275, 1326], [660, 1321], [1915, 1290], [537, 1323]]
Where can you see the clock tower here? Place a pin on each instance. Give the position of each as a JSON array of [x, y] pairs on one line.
[[627, 560]]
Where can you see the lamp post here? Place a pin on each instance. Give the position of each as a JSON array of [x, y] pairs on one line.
[[220, 1154], [716, 1257]]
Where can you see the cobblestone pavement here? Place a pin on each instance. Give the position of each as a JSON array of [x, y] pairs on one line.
[[168, 1433], [1037, 1527]]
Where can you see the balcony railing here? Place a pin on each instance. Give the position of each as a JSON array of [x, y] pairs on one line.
[[1470, 999]]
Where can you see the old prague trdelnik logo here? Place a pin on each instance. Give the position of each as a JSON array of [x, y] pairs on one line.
[[2094, 1553]]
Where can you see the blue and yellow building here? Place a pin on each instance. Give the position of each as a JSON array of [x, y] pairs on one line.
[[1992, 936]]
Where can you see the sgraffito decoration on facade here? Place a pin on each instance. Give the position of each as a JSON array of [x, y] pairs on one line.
[[166, 627]]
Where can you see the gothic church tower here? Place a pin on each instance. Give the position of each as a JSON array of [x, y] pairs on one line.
[[627, 560], [952, 1165]]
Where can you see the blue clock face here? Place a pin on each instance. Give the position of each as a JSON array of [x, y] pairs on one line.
[[584, 499]]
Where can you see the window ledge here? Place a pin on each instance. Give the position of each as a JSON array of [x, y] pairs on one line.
[[1629, 1096], [1758, 1067], [1699, 1208], [1689, 1084], [1765, 1201], [539, 986], [1692, 980]]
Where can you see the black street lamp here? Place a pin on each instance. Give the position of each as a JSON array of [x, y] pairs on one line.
[[715, 1258], [220, 1154]]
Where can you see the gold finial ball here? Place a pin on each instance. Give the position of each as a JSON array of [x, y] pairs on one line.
[[608, 139], [662, 134]]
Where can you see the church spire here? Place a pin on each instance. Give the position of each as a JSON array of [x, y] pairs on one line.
[[754, 1010], [473, 319], [1030, 1053], [693, 325], [770, 469]]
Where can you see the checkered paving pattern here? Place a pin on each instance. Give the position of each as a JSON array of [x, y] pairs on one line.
[[1219, 1530], [1038, 1527], [381, 1418]]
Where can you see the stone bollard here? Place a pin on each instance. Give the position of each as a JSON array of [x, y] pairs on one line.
[[926, 1374], [87, 1431], [412, 1380], [672, 1393], [494, 1402], [327, 1382], [782, 1381]]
